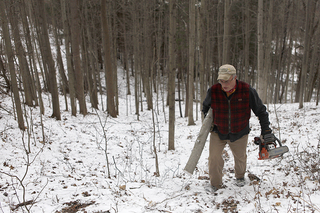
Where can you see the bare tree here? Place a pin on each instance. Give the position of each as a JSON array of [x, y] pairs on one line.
[[267, 62], [172, 71], [107, 60], [125, 49], [71, 78], [192, 35], [135, 56], [63, 77], [246, 41], [75, 43], [45, 48], [89, 63], [27, 24], [313, 51], [10, 57], [219, 31], [261, 74], [226, 32], [149, 36], [7, 85], [27, 83], [305, 61], [203, 47], [147, 54]]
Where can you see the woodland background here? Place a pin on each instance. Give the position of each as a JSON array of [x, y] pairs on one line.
[[76, 57], [172, 48]]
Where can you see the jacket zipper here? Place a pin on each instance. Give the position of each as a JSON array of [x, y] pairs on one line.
[[229, 121]]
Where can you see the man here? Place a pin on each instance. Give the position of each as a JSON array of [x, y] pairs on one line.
[[231, 102]]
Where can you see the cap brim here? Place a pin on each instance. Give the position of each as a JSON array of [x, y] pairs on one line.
[[224, 77]]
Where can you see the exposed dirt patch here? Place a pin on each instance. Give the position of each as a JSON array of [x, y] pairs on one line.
[[74, 206]]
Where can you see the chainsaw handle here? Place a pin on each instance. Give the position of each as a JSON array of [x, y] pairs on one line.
[[258, 141]]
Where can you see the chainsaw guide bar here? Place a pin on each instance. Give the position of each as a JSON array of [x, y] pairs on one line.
[[277, 152]]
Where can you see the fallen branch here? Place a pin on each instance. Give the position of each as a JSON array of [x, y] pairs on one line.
[[26, 203]]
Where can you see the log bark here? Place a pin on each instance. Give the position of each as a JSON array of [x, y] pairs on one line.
[[199, 144]]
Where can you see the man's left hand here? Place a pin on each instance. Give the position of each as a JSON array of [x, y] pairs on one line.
[[269, 137]]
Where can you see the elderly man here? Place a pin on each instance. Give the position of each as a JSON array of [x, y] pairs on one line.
[[231, 102]]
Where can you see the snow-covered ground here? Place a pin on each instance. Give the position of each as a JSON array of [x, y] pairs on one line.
[[69, 171]]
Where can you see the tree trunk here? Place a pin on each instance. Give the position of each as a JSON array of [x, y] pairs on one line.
[[4, 75], [247, 33], [305, 60], [261, 74], [192, 35], [45, 49], [27, 82], [267, 62], [172, 71], [75, 44], [147, 55], [72, 92], [125, 53], [114, 53], [31, 43], [226, 33], [92, 62], [314, 57], [64, 80], [203, 48], [10, 57], [136, 61], [219, 31], [108, 61]]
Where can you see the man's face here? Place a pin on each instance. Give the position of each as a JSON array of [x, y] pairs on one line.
[[229, 84]]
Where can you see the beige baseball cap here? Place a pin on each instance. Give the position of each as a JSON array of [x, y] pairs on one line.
[[226, 71]]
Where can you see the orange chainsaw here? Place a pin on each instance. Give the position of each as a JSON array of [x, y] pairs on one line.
[[268, 148]]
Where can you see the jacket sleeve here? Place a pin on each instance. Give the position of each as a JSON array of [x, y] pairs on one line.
[[260, 110], [206, 103]]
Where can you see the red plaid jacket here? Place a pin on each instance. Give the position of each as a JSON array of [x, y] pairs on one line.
[[231, 115]]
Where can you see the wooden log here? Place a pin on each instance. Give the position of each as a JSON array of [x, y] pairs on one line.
[[199, 144]]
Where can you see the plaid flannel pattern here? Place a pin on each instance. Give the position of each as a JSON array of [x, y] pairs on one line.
[[231, 115]]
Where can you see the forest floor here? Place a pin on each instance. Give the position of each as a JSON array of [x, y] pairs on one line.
[[96, 163]]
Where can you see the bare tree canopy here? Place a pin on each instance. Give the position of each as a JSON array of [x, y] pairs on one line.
[[164, 47]]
